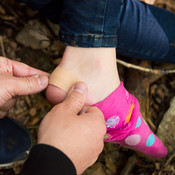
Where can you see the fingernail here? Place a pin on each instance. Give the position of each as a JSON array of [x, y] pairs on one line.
[[42, 79], [80, 87]]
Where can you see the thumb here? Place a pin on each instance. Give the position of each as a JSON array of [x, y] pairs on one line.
[[76, 97], [29, 85]]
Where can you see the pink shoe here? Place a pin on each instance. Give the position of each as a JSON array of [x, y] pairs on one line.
[[126, 126]]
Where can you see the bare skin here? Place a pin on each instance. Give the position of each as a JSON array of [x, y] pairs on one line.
[[149, 1], [94, 66]]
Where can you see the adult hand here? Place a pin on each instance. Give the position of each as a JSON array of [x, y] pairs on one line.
[[75, 130], [18, 79]]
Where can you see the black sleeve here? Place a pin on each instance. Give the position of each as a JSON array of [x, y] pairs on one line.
[[47, 160]]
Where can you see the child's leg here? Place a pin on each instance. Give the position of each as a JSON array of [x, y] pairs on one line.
[[136, 29], [146, 32], [125, 125]]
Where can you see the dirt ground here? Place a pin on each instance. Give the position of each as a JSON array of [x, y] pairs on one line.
[[30, 38]]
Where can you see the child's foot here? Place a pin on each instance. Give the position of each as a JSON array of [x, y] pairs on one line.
[[126, 126], [97, 68], [94, 66]]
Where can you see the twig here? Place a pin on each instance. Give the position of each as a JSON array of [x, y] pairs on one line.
[[151, 124], [149, 70], [169, 159], [2, 46], [12, 165], [166, 163], [129, 165], [14, 14], [9, 8], [33, 127]]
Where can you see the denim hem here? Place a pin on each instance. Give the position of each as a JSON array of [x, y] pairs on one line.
[[87, 40]]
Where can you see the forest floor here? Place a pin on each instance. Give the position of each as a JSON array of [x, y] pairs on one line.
[[27, 37]]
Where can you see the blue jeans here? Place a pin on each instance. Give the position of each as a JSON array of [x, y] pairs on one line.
[[134, 28]]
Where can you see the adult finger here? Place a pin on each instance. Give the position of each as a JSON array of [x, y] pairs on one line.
[[21, 69], [28, 85], [2, 114], [97, 117], [76, 97], [8, 105], [94, 111], [84, 110]]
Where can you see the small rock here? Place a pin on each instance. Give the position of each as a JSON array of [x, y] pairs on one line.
[[167, 127], [34, 35]]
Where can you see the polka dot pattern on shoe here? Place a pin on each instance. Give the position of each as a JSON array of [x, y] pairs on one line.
[[133, 140], [138, 122], [150, 141], [127, 95], [112, 122]]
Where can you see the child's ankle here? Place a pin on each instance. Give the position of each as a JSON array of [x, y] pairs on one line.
[[94, 66]]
